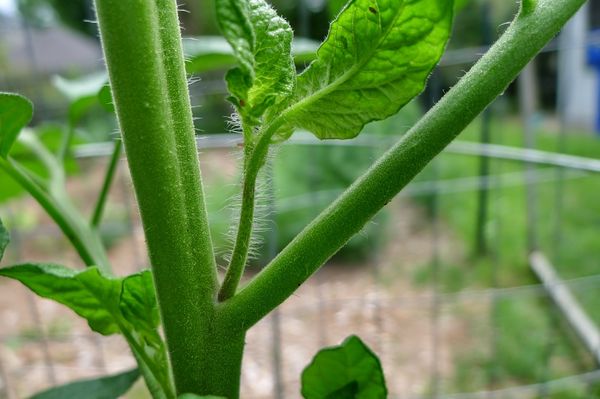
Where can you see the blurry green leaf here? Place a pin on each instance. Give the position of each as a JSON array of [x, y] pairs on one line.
[[376, 58], [82, 93], [261, 42], [460, 4], [4, 239], [350, 371], [85, 86], [88, 293], [105, 98], [50, 136], [304, 50], [192, 396], [335, 6], [15, 113], [209, 53], [110, 306], [109, 387]]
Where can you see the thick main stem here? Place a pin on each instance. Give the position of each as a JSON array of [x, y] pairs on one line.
[[142, 48], [539, 22]]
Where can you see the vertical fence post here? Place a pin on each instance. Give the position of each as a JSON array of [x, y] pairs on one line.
[[527, 107], [435, 85], [481, 246]]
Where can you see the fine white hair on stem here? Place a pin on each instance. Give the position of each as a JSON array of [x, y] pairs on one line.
[[263, 214], [234, 124], [192, 80]]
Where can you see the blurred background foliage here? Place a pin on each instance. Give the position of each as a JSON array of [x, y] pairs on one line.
[[314, 175]]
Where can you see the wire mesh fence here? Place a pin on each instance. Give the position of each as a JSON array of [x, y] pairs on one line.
[[437, 335], [432, 343]]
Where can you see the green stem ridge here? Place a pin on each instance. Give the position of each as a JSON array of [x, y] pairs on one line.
[[142, 47], [488, 79], [108, 179]]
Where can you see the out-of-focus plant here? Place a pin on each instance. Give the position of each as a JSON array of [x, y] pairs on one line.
[[376, 58]]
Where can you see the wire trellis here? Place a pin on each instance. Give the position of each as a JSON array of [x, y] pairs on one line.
[[418, 363]]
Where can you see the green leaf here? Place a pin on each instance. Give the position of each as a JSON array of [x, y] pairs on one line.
[[29, 157], [261, 42], [138, 302], [192, 396], [88, 293], [350, 371], [4, 239], [84, 86], [15, 113], [348, 391], [376, 58], [127, 306], [139, 308], [82, 93], [105, 98], [109, 387]]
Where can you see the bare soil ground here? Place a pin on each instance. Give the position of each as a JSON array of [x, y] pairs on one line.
[[43, 344]]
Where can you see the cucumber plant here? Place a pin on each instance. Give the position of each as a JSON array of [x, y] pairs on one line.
[[377, 57]]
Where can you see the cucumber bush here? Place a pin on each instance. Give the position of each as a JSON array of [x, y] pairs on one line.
[[376, 58]]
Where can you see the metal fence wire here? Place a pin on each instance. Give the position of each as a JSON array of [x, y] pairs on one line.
[[434, 341]]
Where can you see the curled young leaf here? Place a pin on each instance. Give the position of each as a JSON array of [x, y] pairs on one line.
[[15, 113], [376, 58], [261, 42]]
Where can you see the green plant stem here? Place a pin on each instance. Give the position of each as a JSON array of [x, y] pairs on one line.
[[65, 143], [108, 179], [89, 244], [142, 48], [525, 37], [244, 232], [19, 174]]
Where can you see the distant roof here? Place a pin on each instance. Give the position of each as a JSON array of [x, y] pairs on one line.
[[55, 50]]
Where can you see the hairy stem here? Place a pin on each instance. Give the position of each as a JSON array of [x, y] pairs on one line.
[[142, 48], [246, 221], [526, 36]]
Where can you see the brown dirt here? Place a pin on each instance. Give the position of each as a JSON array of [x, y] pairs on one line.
[[42, 343]]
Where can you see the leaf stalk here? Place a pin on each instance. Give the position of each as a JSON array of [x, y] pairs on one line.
[[320, 240]]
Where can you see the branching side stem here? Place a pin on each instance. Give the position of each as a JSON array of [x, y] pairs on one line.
[[526, 36], [241, 247], [108, 179]]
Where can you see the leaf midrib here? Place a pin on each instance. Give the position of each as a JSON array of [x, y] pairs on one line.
[[306, 101]]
